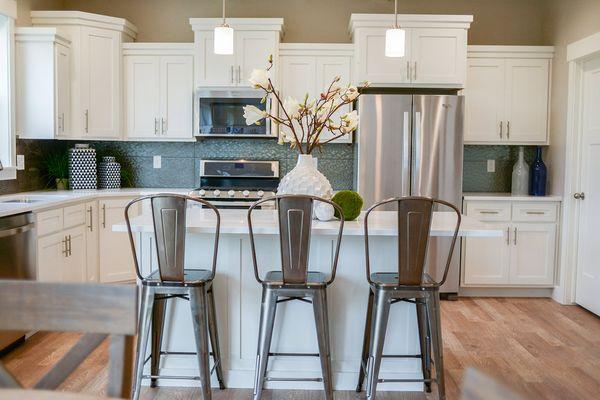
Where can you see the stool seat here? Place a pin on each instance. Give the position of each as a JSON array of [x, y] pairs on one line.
[[314, 278], [390, 280], [191, 277]]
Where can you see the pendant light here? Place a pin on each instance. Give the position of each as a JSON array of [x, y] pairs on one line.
[[395, 38], [223, 37]]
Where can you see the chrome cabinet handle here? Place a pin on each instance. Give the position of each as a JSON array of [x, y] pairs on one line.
[[63, 122], [508, 129], [104, 215], [515, 238], [156, 126], [163, 126], [231, 74], [408, 70], [508, 235], [69, 244], [500, 129], [65, 248], [579, 196], [239, 74], [535, 213], [488, 212], [87, 120], [415, 71], [91, 225]]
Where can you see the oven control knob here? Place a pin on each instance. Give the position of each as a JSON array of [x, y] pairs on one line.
[[246, 193], [231, 193], [217, 193], [260, 193], [201, 192]]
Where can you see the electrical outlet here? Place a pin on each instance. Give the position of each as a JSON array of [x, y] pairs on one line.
[[20, 162], [157, 161], [491, 165]]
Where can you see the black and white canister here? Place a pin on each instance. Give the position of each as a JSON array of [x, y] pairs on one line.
[[82, 167], [109, 173]]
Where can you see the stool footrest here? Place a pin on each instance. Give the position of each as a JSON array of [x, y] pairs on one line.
[[294, 354], [273, 379], [383, 380], [194, 378], [401, 356]]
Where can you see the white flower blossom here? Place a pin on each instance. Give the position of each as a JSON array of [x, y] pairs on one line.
[[349, 122], [253, 114], [259, 79], [350, 94], [292, 107]]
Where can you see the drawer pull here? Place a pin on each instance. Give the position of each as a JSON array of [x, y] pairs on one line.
[[508, 236], [535, 212], [488, 212]]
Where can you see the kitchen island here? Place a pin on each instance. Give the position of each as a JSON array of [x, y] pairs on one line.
[[238, 297]]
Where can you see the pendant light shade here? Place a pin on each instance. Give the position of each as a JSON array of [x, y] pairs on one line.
[[395, 38], [223, 37]]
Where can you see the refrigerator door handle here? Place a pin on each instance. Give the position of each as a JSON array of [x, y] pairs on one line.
[[406, 155], [416, 171]]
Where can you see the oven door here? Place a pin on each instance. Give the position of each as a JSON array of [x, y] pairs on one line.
[[220, 113]]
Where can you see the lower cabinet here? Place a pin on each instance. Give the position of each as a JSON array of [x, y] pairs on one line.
[[62, 256], [525, 256]]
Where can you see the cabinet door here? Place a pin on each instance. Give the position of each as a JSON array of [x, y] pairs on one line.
[[532, 254], [212, 69], [252, 50], [298, 78], [100, 82], [63, 90], [439, 56], [91, 241], [373, 65], [327, 69], [485, 96], [527, 83], [51, 252], [486, 260], [116, 260], [176, 96], [142, 90], [74, 266]]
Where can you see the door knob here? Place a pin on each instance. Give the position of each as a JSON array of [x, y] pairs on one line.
[[579, 196]]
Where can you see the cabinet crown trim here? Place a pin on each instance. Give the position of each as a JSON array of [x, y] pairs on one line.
[[84, 19], [489, 51], [315, 49], [409, 21], [130, 49], [242, 24], [42, 34]]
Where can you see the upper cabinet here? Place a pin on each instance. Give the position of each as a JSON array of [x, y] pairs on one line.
[[435, 56], [508, 94], [43, 83], [96, 80], [308, 68], [255, 39], [159, 90]]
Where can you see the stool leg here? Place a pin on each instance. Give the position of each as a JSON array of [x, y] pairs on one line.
[[366, 341], [424, 342], [158, 325], [267, 320], [198, 305], [214, 336], [147, 304], [382, 312], [433, 309], [322, 324]]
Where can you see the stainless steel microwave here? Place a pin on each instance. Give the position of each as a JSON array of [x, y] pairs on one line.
[[219, 112]]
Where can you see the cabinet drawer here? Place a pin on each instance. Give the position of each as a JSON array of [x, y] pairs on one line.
[[49, 221], [534, 212], [488, 210], [74, 215]]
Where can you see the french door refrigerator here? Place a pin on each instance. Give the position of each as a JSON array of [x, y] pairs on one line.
[[412, 145]]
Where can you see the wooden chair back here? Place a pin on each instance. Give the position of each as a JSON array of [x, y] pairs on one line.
[[96, 310]]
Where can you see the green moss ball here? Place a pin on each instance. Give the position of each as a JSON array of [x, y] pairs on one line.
[[350, 202]]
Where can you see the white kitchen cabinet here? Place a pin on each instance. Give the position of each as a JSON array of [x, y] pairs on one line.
[[255, 39], [435, 50], [43, 83], [310, 69], [96, 98], [116, 259], [159, 91], [51, 254], [74, 266], [508, 94], [91, 241], [524, 256]]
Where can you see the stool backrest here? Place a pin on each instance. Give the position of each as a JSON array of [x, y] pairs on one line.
[[96, 310], [295, 218], [169, 213], [414, 218]]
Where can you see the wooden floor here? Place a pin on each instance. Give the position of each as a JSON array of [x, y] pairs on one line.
[[543, 349]]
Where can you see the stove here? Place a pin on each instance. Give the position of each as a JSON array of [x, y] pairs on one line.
[[237, 183]]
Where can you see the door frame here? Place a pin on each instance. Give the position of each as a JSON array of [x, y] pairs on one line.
[[577, 54]]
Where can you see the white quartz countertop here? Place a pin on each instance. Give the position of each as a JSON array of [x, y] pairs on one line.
[[381, 223], [507, 197]]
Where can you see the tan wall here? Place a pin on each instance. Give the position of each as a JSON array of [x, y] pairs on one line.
[[25, 6], [565, 21], [496, 21]]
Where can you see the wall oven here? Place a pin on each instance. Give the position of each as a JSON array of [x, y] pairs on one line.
[[219, 112]]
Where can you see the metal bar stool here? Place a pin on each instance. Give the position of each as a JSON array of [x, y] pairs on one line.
[[173, 281], [294, 282], [410, 284]]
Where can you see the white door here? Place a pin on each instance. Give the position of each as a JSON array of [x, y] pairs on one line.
[[484, 96], [298, 78], [91, 241], [74, 268], [51, 254], [212, 69], [100, 80], [533, 247], [142, 90], [439, 56], [527, 100], [588, 267], [116, 259], [486, 260], [253, 49], [63, 90], [176, 96], [374, 66], [327, 69]]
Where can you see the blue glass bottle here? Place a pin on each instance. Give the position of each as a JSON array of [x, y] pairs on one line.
[[538, 175]]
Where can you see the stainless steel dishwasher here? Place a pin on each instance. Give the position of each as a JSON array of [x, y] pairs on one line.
[[17, 257]]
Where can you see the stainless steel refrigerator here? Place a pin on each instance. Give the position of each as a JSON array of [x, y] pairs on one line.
[[413, 145]]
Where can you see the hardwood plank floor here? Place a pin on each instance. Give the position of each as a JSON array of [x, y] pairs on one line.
[[543, 349]]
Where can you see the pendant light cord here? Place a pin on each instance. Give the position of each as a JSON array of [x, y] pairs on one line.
[[395, 13], [224, 12]]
